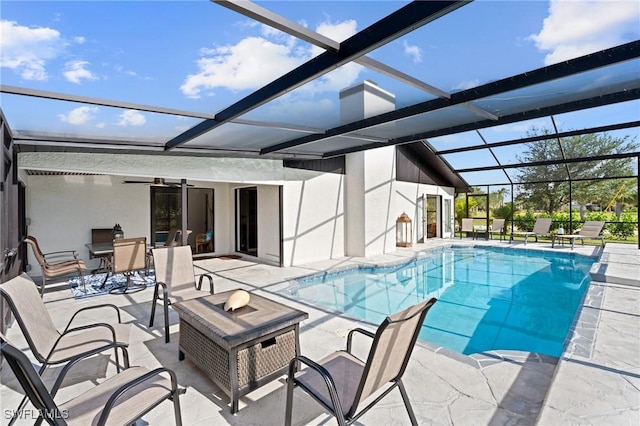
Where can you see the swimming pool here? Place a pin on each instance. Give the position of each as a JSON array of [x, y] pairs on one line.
[[488, 298]]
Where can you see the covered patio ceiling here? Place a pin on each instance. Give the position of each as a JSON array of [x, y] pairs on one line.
[[454, 129]]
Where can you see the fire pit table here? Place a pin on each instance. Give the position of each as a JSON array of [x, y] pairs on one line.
[[243, 349]]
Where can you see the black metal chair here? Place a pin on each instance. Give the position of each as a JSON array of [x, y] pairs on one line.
[[121, 399], [51, 347], [341, 381]]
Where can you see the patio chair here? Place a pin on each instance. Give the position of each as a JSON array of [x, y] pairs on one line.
[[541, 227], [467, 226], [341, 381], [497, 227], [204, 240], [591, 229], [121, 399], [129, 258], [174, 274], [48, 345], [101, 235], [57, 263]]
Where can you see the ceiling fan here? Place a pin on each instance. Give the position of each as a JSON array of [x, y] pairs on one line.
[[157, 182]]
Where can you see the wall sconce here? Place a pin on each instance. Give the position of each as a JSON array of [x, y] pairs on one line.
[[403, 231]]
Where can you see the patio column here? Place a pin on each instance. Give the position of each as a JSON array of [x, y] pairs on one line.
[[370, 178]]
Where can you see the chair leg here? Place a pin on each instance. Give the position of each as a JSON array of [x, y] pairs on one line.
[[153, 306], [84, 284], [165, 302], [289, 406], [44, 279], [176, 408], [407, 404]]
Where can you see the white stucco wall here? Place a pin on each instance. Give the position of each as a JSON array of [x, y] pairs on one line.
[[313, 216], [61, 210], [316, 196], [407, 201]]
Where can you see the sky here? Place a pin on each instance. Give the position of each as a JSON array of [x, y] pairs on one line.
[[199, 56]]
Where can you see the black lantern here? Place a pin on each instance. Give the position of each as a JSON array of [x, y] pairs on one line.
[[403, 231], [117, 232]]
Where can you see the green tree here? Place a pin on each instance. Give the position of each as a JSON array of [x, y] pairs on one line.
[[551, 196]]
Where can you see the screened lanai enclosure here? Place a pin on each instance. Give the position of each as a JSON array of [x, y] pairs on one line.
[[517, 141]]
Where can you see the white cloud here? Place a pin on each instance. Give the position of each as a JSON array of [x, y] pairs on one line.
[[26, 50], [258, 60], [249, 64], [79, 115], [79, 40], [464, 85], [131, 117], [76, 71], [413, 51], [576, 28]]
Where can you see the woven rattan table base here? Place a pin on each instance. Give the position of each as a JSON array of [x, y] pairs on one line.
[[258, 360]]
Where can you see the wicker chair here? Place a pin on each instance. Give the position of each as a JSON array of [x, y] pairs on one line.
[[121, 399], [204, 241], [174, 274], [341, 381], [51, 347], [57, 263]]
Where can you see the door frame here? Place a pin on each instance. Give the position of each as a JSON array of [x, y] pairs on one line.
[[249, 251]]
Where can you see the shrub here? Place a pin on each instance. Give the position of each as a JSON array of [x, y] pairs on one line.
[[626, 227], [525, 222]]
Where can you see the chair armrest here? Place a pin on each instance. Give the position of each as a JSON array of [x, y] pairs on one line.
[[74, 361], [61, 253], [331, 386], [210, 278], [80, 328], [357, 330], [104, 305], [104, 415]]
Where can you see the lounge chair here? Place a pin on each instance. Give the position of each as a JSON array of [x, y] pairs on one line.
[[341, 381], [591, 229], [48, 345], [497, 227], [121, 399], [541, 227], [174, 274], [467, 226], [57, 263]]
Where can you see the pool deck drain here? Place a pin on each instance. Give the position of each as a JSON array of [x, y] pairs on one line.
[[595, 382]]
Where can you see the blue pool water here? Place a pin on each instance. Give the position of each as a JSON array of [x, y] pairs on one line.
[[488, 298]]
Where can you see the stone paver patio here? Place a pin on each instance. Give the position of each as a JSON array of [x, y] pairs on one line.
[[596, 381]]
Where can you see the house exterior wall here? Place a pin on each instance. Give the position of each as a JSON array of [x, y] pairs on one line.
[[53, 202], [313, 216], [370, 177], [407, 195], [62, 210]]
